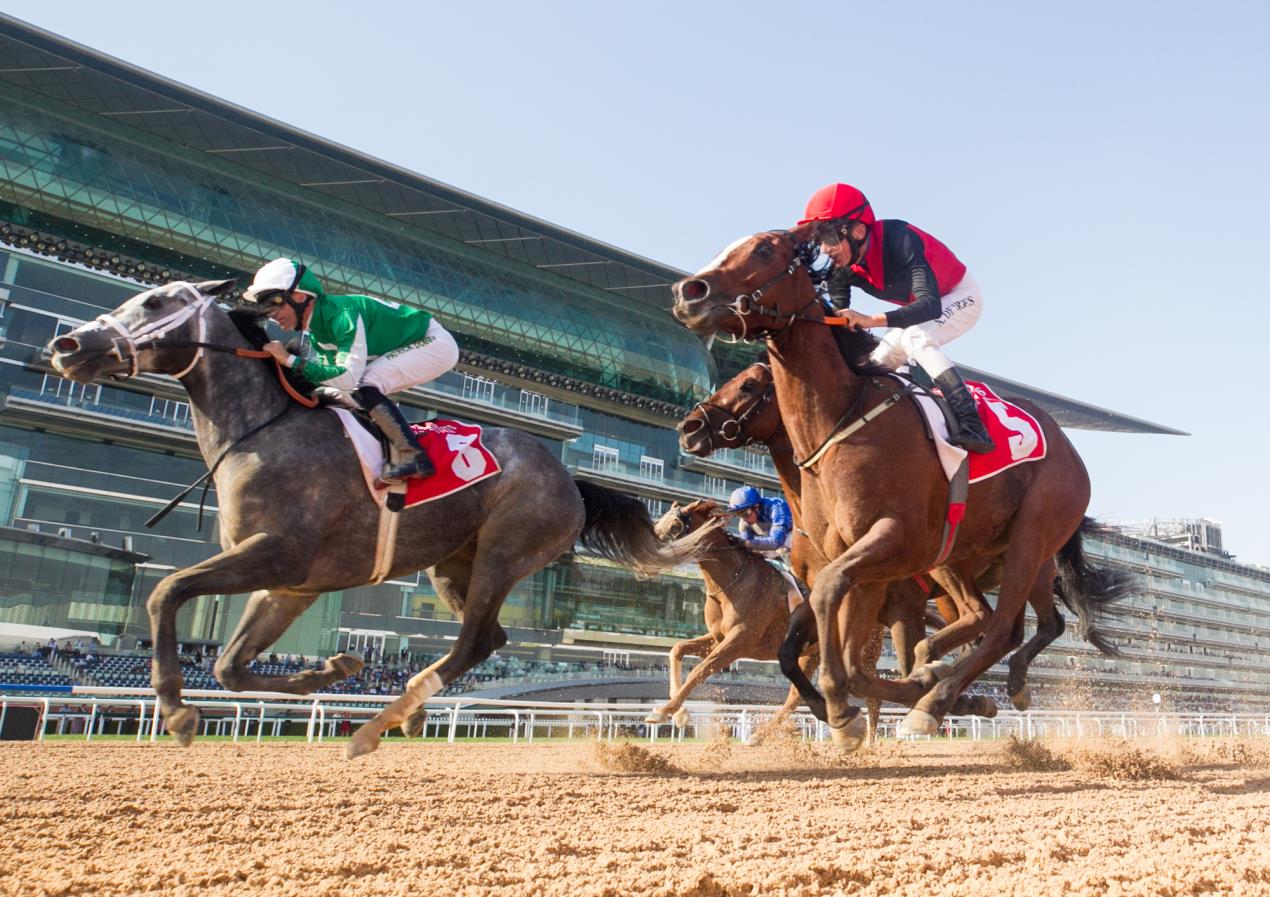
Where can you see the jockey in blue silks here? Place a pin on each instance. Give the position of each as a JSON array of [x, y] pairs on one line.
[[766, 524]]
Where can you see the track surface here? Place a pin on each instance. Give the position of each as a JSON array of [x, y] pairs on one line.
[[424, 819]]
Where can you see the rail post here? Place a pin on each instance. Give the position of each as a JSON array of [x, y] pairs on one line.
[[454, 722]]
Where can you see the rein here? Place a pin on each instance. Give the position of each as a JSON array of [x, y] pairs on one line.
[[206, 479], [296, 396], [734, 426]]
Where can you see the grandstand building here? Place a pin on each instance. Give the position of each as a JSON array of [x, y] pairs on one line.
[[113, 179]]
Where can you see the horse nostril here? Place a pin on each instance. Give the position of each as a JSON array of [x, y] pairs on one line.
[[66, 344], [695, 289], [688, 427]]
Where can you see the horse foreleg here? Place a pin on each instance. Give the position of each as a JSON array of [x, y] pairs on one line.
[[256, 561], [265, 619], [801, 633], [905, 613], [736, 643], [697, 647]]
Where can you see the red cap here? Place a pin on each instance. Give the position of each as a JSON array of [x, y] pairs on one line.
[[838, 201]]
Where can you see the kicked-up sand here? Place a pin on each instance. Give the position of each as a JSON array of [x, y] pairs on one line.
[[576, 819]]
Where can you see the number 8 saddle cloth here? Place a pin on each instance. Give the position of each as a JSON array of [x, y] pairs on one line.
[[455, 449]]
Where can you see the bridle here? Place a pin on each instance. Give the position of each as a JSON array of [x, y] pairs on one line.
[[733, 426], [129, 344], [746, 304]]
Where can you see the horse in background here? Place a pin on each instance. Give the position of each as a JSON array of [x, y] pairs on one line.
[[746, 611]]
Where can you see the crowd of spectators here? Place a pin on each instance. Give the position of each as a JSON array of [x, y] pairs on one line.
[[83, 661]]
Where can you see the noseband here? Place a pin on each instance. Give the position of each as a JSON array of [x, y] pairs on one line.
[[129, 344], [747, 304], [733, 427]]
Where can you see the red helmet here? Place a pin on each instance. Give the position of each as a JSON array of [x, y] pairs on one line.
[[838, 201]]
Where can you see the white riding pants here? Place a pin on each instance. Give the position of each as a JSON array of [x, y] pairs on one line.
[[416, 363], [920, 343]]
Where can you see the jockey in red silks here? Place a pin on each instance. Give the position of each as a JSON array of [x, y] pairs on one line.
[[896, 262]]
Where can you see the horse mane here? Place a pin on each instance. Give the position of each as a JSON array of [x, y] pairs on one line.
[[856, 346], [249, 327]]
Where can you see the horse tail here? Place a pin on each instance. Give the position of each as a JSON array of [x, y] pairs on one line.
[[1087, 588], [619, 529]]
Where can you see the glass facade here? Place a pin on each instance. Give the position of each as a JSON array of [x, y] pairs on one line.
[[90, 178], [85, 588]]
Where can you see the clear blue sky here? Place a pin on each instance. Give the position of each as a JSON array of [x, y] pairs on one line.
[[1101, 167]]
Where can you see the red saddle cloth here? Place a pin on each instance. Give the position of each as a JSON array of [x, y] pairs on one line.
[[458, 455], [1018, 436]]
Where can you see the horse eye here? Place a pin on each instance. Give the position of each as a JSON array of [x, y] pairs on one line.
[[152, 303], [747, 386], [764, 250]]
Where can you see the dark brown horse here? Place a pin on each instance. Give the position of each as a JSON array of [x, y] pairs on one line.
[[744, 411], [746, 611], [874, 502]]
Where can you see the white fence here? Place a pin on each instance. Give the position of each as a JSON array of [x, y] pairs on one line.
[[93, 711]]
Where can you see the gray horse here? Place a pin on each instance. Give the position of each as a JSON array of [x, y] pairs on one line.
[[296, 518]]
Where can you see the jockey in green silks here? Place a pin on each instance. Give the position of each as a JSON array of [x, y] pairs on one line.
[[359, 346]]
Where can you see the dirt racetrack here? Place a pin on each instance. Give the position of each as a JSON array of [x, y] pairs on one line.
[[788, 818]]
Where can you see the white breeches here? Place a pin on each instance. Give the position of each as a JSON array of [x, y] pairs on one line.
[[920, 343], [413, 364]]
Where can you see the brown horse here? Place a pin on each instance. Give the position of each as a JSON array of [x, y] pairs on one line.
[[744, 411], [747, 608], [874, 501]]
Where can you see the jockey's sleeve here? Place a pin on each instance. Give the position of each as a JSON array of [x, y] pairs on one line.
[[778, 534], [341, 368], [840, 288], [906, 252]]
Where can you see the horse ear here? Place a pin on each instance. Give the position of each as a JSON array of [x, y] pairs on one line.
[[674, 506], [806, 233], [216, 287]]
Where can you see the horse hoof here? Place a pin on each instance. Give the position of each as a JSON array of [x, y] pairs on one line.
[[917, 722], [852, 735], [681, 718], [657, 717], [345, 664], [362, 742], [414, 725], [182, 724], [1022, 699], [939, 669]]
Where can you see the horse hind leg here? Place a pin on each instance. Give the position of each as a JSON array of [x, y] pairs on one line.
[[1049, 626], [514, 541], [268, 615], [450, 580]]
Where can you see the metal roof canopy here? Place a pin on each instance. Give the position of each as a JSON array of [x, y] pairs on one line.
[[72, 73], [47, 63]]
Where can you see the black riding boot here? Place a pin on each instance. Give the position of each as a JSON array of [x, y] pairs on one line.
[[388, 417], [971, 434]]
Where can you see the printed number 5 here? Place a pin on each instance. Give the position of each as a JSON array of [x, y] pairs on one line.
[[469, 463], [1023, 442]]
